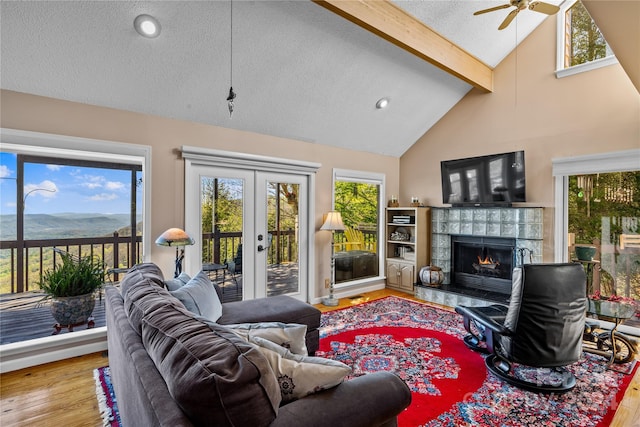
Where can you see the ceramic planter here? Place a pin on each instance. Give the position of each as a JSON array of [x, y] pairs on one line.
[[76, 310], [431, 276]]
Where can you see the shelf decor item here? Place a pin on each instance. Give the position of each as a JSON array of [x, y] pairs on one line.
[[399, 236], [393, 202]]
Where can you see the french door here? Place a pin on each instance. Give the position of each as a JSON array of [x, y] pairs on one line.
[[253, 229]]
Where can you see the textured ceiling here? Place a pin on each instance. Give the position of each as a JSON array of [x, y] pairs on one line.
[[299, 70]]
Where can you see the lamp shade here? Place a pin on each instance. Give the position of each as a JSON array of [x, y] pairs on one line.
[[333, 222], [174, 237]]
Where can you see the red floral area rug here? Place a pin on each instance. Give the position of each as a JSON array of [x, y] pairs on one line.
[[450, 384]]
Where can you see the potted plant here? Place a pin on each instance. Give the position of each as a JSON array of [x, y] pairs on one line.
[[71, 287]]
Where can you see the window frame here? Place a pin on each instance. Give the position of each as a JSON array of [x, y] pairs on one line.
[[561, 70], [366, 178], [562, 168], [37, 351]]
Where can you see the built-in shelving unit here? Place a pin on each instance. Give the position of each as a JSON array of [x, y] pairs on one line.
[[407, 245]]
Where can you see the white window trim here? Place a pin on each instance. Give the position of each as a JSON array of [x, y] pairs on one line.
[[50, 349], [620, 161], [367, 178], [561, 71]]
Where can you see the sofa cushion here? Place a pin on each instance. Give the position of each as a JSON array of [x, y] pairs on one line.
[[288, 335], [199, 297], [281, 308], [142, 281], [176, 283], [299, 376], [216, 377]]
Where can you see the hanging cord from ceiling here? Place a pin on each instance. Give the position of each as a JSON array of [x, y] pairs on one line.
[[232, 95]]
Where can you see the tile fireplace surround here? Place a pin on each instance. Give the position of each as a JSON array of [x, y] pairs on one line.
[[523, 224]]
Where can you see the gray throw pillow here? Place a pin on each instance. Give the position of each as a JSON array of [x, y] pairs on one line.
[[177, 282], [199, 297]]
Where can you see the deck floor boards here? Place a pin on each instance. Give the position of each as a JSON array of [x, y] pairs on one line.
[[24, 317]]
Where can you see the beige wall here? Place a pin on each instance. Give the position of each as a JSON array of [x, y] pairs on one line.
[[165, 136], [592, 112]]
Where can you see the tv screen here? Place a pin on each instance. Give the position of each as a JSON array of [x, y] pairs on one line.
[[493, 180]]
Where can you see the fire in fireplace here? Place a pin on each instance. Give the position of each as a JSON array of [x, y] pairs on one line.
[[483, 263]]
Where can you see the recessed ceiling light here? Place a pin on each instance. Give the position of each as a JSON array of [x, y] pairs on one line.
[[382, 103], [147, 26]]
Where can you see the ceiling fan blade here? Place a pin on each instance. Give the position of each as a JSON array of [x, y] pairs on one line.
[[508, 19], [491, 9], [542, 7]]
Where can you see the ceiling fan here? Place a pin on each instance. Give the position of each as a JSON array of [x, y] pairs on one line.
[[536, 6]]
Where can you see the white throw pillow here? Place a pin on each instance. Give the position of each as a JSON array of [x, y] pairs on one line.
[[200, 297], [300, 376], [288, 335]]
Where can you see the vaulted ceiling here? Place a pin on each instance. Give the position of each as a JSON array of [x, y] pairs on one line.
[[311, 71]]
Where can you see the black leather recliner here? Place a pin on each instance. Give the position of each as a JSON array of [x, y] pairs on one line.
[[541, 328]]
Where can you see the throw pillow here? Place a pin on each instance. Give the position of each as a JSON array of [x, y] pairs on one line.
[[199, 297], [177, 282], [288, 335], [299, 376]]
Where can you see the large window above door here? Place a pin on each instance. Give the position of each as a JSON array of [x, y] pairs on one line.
[[357, 196], [580, 44]]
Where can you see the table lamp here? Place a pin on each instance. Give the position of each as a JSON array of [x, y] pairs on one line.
[[175, 237], [333, 223]]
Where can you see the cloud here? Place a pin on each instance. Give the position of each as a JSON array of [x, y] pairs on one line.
[[5, 171], [54, 167], [103, 197], [46, 189], [114, 185], [91, 185]]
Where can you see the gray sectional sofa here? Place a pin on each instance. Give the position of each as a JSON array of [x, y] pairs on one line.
[[173, 367]]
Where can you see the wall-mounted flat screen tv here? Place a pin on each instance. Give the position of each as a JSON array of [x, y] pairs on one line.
[[493, 180]]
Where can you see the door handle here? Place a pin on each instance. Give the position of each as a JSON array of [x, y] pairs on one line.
[[263, 248]]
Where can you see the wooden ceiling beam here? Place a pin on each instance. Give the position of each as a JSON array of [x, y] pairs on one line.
[[393, 24]]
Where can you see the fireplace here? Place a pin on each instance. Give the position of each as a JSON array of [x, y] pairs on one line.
[[482, 263]]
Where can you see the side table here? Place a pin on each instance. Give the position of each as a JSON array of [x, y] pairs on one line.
[[617, 313]]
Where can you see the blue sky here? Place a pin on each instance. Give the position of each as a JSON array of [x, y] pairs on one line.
[[71, 189]]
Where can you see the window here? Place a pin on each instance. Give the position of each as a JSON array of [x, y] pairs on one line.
[[596, 199], [26, 153], [604, 211], [87, 208], [357, 196], [581, 45]]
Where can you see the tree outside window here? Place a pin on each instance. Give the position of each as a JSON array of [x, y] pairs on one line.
[[583, 40], [603, 209], [357, 247]]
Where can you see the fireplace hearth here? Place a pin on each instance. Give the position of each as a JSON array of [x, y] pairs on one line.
[[482, 263], [524, 225]]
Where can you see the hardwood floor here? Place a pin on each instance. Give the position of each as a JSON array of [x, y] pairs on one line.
[[63, 393]]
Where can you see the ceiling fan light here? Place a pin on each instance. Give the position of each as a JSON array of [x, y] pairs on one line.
[[382, 103], [147, 26]]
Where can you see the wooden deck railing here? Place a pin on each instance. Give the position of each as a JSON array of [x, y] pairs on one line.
[[39, 256], [119, 252]]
